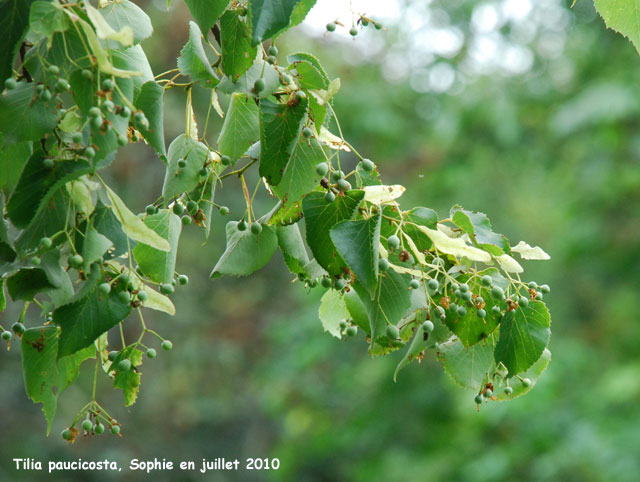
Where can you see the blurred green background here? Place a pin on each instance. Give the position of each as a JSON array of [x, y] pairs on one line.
[[525, 110]]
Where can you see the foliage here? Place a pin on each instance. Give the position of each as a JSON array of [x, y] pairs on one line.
[[72, 247]]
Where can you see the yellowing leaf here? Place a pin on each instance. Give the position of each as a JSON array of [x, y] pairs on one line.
[[332, 141], [383, 194], [105, 32], [332, 311], [527, 252], [455, 246], [509, 264]]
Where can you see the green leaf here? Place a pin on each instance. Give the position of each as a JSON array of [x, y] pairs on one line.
[[193, 61], [58, 277], [268, 18], [150, 101], [418, 345], [292, 246], [123, 14], [27, 283], [3, 297], [532, 374], [46, 376], [158, 265], [524, 334], [46, 18], [237, 51], [13, 159], [88, 315], [14, 22], [241, 127], [358, 242], [280, 127], [621, 16], [134, 58], [129, 381], [469, 328], [388, 305], [37, 184], [300, 12], [300, 176], [478, 227], [133, 225], [309, 76], [37, 118], [468, 366], [421, 217], [304, 57], [245, 252], [95, 245], [332, 311], [285, 213], [184, 179], [206, 12], [259, 70], [320, 216], [105, 222], [357, 311], [49, 221]]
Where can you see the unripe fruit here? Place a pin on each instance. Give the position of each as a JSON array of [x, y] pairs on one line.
[[94, 112], [481, 313], [87, 425], [125, 112], [98, 428], [86, 74], [322, 169], [488, 393], [178, 208], [539, 296], [522, 301], [392, 332], [182, 163], [66, 434], [352, 331], [478, 399], [183, 279], [433, 284], [364, 22], [496, 310], [10, 84], [112, 355], [325, 282], [76, 261], [339, 284], [77, 138], [486, 280], [224, 210], [115, 429], [258, 86], [203, 171], [545, 289], [497, 292], [150, 209], [331, 27], [104, 288], [533, 285], [35, 260], [167, 289], [414, 284], [225, 160], [273, 50], [306, 132], [62, 85], [140, 120], [353, 32], [192, 207], [343, 324], [45, 95], [122, 140], [466, 296], [329, 197], [186, 220], [142, 296], [242, 226], [256, 228], [6, 335], [151, 353], [89, 152], [343, 185], [124, 365], [383, 265], [427, 326], [367, 165], [393, 241], [271, 59], [335, 175], [166, 345], [462, 311], [107, 85], [47, 163], [464, 287], [508, 391], [124, 297], [526, 382], [53, 69]]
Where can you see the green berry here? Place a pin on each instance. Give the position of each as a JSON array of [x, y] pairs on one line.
[[322, 169], [466, 296], [77, 138], [481, 313], [140, 120], [329, 197], [150, 209], [18, 328], [151, 353], [378, 26], [539, 296], [343, 324], [393, 241], [331, 27], [488, 393], [464, 287], [300, 96], [125, 112], [392, 332], [183, 279], [508, 391], [414, 284], [87, 425], [497, 292], [533, 285], [335, 175], [186, 220], [86, 74], [47, 163], [258, 85], [112, 355], [479, 300], [339, 284], [10, 83], [478, 399], [98, 428], [367, 165], [271, 59], [225, 160], [353, 32], [142, 296], [455, 286], [306, 132], [66, 434], [192, 207], [462, 311], [107, 85], [522, 301], [325, 282], [203, 171], [124, 296], [496, 310], [526, 382], [457, 293], [89, 152], [115, 429], [545, 289], [6, 335], [343, 185], [62, 85], [364, 22], [76, 261], [35, 260], [383, 265], [427, 326], [352, 331], [167, 289], [124, 365], [182, 163], [166, 345], [242, 226], [486, 280], [273, 50], [107, 106], [224, 210], [453, 307], [433, 284], [95, 112], [53, 69], [256, 228], [178, 208]]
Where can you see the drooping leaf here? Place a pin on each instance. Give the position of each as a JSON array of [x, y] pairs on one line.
[[245, 252], [320, 216], [184, 179], [418, 344], [46, 376], [516, 384], [526, 251], [468, 366], [123, 14], [129, 381], [105, 222], [455, 246], [88, 315], [478, 227], [193, 60], [14, 22], [300, 175], [160, 266], [420, 216], [280, 127], [28, 282], [291, 244], [270, 17], [150, 101], [241, 127], [524, 334], [309, 76], [206, 12], [358, 242], [332, 311], [95, 245], [133, 225], [237, 51], [37, 118]]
